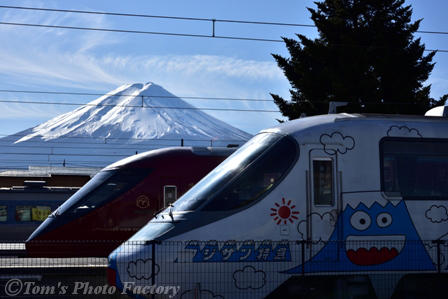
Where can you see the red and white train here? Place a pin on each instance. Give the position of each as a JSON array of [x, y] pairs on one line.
[[120, 200]]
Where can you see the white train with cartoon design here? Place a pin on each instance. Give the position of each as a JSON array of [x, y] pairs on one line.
[[330, 206]]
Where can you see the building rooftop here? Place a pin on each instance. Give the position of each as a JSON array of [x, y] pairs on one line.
[[48, 171]]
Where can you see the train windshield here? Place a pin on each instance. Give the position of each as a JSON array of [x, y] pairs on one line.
[[244, 176], [105, 186]]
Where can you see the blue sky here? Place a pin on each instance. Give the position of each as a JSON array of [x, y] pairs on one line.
[[96, 62]]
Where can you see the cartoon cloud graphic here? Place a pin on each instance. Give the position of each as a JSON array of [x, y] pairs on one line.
[[141, 269], [437, 214], [249, 278], [403, 131], [321, 223], [337, 143]]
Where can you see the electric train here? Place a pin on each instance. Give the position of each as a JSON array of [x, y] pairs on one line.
[[24, 208], [329, 206], [120, 200]]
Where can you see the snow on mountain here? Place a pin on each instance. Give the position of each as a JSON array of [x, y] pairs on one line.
[[133, 118], [137, 111]]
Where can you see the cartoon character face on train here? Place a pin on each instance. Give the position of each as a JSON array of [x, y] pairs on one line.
[[375, 238], [364, 227]]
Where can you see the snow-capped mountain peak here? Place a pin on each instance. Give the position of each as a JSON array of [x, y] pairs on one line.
[[132, 118], [136, 111]]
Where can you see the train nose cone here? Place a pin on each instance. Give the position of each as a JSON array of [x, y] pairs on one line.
[[113, 274], [129, 267], [39, 244], [44, 228]]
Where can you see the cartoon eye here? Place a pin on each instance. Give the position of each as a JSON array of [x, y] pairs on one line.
[[384, 220], [360, 220]]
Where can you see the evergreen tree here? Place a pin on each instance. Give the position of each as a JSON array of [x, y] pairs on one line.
[[365, 54]]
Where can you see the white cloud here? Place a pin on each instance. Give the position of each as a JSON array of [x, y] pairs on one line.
[[32, 111], [219, 66]]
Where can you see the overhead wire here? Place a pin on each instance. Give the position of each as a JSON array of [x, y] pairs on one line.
[[109, 152], [213, 35], [131, 95], [158, 17], [111, 145], [118, 141], [179, 18], [141, 32], [137, 106]]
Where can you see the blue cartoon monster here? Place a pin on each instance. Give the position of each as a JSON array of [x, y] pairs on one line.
[[375, 239]]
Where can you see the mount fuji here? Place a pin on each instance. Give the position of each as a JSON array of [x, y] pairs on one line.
[[131, 119]]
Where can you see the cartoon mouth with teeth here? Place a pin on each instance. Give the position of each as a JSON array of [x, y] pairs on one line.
[[365, 251]]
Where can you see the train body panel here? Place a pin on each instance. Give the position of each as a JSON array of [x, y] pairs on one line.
[[367, 194], [24, 208], [120, 200]]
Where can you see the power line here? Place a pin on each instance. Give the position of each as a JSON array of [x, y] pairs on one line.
[[138, 106], [181, 18], [142, 32], [213, 35], [143, 106], [130, 95], [110, 145], [159, 107], [158, 17], [111, 139], [51, 154], [67, 154], [104, 143]]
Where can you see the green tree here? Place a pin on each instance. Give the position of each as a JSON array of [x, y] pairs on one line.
[[365, 54]]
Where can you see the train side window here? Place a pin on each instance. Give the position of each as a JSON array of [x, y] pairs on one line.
[[414, 168], [40, 213], [323, 182], [169, 195], [23, 213], [3, 213]]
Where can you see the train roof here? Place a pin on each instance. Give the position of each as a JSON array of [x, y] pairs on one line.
[[291, 127], [43, 189], [200, 151]]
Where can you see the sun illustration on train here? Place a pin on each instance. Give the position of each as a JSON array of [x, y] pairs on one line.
[[284, 212]]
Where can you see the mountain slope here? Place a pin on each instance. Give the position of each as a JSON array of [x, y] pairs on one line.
[[137, 111]]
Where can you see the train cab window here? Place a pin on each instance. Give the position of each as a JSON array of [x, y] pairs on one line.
[[103, 187], [323, 182], [245, 176], [3, 213], [414, 168], [219, 177], [257, 179]]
